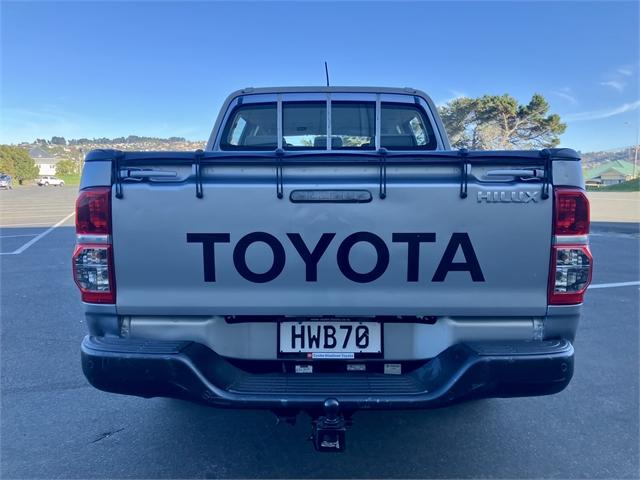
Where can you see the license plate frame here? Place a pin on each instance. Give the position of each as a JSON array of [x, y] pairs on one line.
[[340, 354]]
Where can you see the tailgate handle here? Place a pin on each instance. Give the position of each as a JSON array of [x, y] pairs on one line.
[[139, 174], [525, 174], [330, 196]]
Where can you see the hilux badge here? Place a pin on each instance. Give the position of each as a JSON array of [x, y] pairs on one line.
[[508, 197]]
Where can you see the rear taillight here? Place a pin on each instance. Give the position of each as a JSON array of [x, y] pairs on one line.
[[92, 262], [571, 212], [93, 211], [571, 260]]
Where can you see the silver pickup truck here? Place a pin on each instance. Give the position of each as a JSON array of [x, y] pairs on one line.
[[328, 252]]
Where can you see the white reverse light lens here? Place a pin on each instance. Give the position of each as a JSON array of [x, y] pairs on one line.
[[573, 267], [92, 269]]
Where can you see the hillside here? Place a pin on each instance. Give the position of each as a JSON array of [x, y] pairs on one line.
[[593, 159], [75, 149]]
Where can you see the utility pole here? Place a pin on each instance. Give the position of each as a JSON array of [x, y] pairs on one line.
[[635, 147], [635, 157]]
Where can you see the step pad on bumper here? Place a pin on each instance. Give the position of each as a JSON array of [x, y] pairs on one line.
[[321, 383]]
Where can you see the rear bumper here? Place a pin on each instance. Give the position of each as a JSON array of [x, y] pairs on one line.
[[191, 371]]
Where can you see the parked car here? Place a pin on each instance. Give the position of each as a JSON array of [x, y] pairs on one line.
[[53, 181], [6, 182], [327, 253]]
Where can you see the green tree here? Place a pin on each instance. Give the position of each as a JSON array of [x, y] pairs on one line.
[[18, 163], [25, 167], [459, 118], [499, 122], [7, 164], [58, 141], [67, 167]]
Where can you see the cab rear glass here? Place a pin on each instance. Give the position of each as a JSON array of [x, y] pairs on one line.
[[306, 125], [252, 127], [353, 125], [405, 127]]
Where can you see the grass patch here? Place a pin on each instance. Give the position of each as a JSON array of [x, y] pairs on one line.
[[630, 186], [70, 179]]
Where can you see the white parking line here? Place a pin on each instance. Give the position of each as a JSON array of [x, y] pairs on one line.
[[22, 225], [31, 208], [50, 209], [26, 217], [34, 206], [614, 285], [39, 237], [14, 236]]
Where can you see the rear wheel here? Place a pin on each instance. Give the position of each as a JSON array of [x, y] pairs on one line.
[[46, 184]]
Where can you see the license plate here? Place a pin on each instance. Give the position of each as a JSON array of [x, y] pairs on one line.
[[330, 339]]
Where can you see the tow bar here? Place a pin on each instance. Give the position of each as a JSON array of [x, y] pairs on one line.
[[328, 430]]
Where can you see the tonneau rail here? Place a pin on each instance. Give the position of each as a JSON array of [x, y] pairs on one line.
[[382, 158], [474, 156]]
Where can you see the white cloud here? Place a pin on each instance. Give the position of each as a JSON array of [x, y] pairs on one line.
[[455, 94], [567, 94], [21, 124], [25, 125], [626, 71], [598, 114], [617, 79], [615, 84]]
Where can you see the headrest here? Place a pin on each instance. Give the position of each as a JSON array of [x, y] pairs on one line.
[[261, 141], [321, 142], [396, 141]]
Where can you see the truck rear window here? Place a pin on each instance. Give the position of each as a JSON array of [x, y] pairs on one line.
[[304, 126], [252, 127], [353, 125], [404, 127]]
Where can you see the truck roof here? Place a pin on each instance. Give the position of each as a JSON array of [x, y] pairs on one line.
[[331, 89], [321, 89]]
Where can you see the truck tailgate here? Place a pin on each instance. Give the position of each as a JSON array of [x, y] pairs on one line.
[[239, 249]]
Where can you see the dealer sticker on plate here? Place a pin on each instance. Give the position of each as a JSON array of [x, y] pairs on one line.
[[330, 339]]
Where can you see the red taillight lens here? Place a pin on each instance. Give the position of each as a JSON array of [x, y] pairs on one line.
[[93, 273], [571, 267], [93, 211], [92, 262], [571, 216]]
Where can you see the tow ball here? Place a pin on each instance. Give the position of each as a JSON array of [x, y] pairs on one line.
[[328, 430]]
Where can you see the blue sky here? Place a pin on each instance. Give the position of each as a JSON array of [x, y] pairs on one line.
[[162, 69]]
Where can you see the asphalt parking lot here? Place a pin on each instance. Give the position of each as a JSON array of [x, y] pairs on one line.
[[54, 425], [27, 212]]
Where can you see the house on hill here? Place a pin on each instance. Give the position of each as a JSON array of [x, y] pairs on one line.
[[45, 162], [610, 173]]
